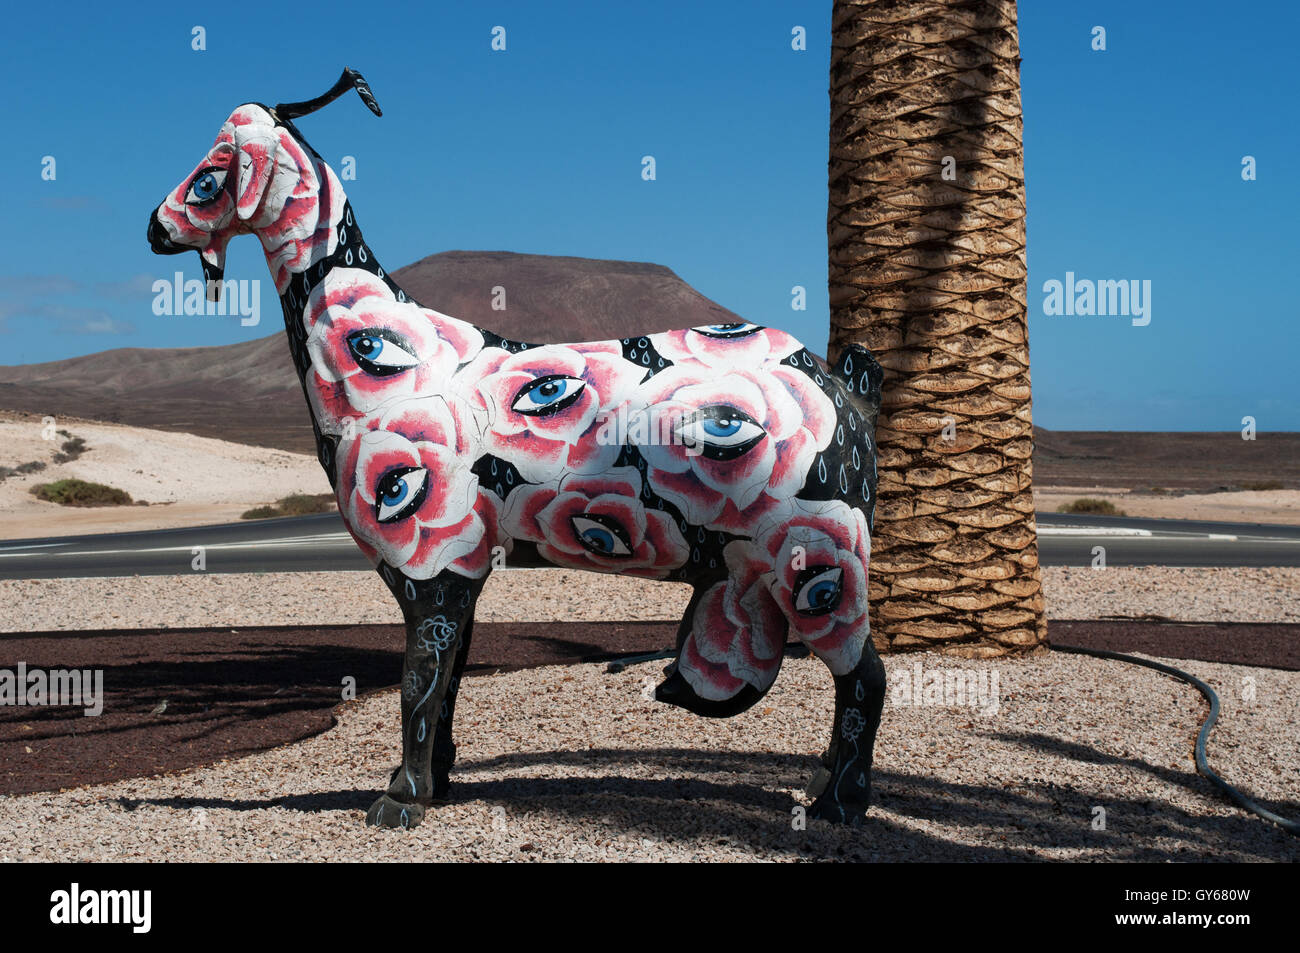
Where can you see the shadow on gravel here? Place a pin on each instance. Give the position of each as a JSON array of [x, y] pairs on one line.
[[1189, 778], [742, 799], [229, 693], [178, 698]]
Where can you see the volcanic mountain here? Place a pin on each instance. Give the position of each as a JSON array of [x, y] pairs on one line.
[[248, 392]]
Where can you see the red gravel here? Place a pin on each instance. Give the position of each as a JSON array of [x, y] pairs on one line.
[[1266, 645], [230, 692]]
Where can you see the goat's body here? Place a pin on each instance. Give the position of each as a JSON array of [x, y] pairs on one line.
[[727, 457], [595, 456]]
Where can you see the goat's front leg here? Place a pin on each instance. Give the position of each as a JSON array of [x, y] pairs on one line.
[[435, 633], [444, 748]]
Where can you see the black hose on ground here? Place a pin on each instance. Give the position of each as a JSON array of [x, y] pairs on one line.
[[1202, 763]]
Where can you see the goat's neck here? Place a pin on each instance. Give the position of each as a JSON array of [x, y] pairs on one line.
[[350, 251]]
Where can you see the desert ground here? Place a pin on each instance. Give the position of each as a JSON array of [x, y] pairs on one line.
[[186, 480], [1270, 594], [1226, 506], [578, 763]]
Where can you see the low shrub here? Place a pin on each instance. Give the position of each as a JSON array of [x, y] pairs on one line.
[[74, 492], [261, 513], [1089, 505], [31, 466], [70, 449], [296, 504], [304, 504]]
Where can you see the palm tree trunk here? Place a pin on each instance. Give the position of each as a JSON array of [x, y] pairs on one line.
[[926, 229]]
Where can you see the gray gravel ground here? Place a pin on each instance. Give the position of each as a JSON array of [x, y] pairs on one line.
[[577, 764], [331, 598]]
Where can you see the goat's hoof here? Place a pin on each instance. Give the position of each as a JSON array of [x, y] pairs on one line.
[[838, 812], [821, 780], [387, 812]]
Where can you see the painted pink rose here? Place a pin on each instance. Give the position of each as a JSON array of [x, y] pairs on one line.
[[546, 405], [725, 345], [744, 442], [597, 522], [819, 552], [368, 348], [406, 491], [301, 213], [737, 633]]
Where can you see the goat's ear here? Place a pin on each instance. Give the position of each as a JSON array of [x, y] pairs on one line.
[[257, 160]]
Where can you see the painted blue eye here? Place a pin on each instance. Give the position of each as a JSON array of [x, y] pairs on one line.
[[818, 590], [548, 395], [721, 428], [727, 330], [206, 186], [721, 432], [381, 351], [599, 539], [399, 493], [602, 535]]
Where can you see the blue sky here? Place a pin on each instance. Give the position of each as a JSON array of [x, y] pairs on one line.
[[1133, 168]]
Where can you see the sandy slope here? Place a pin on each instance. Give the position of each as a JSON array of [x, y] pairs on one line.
[[187, 480], [1238, 506]]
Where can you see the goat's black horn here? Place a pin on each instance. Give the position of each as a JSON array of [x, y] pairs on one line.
[[350, 79]]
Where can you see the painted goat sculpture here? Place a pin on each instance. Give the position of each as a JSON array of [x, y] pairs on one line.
[[727, 457]]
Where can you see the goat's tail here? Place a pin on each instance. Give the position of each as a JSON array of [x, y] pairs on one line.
[[862, 376]]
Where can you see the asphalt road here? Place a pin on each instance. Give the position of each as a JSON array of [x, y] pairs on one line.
[[311, 543]]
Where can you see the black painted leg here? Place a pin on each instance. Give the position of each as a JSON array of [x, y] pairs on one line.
[[822, 776], [842, 785], [444, 747], [434, 634]]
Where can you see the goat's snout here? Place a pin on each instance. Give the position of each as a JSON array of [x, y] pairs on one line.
[[159, 241]]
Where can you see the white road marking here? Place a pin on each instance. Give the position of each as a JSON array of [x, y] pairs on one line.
[[290, 541], [1091, 531], [335, 539]]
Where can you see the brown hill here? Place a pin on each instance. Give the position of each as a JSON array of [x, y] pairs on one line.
[[1173, 461], [248, 393]]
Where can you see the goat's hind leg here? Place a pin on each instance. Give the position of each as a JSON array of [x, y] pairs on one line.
[[435, 630], [676, 690], [842, 785]]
